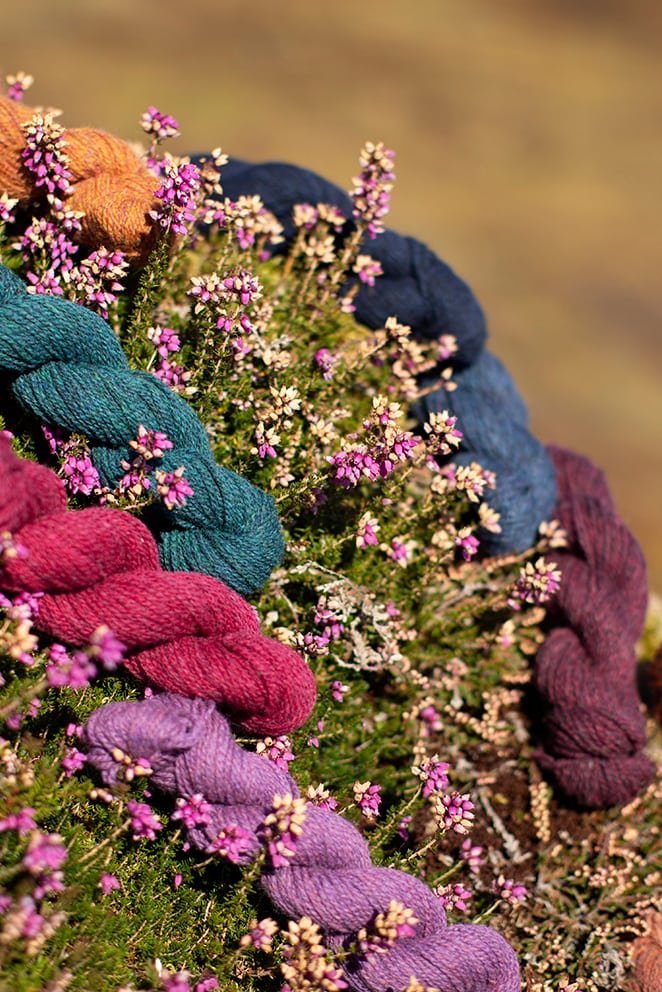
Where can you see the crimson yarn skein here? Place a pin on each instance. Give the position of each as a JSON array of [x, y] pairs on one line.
[[594, 731], [331, 878], [184, 631]]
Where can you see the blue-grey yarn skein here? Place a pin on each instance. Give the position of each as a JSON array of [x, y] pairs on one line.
[[424, 293], [494, 422], [69, 371]]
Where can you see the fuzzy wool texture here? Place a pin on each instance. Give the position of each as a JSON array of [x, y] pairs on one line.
[[183, 631], [68, 370], [594, 731], [331, 877], [111, 187]]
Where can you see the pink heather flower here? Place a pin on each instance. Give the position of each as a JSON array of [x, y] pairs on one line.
[[106, 648], [80, 475], [260, 935], [150, 443], [5, 903], [537, 582], [454, 897], [193, 812], [144, 822], [73, 761], [403, 827], [31, 920], [434, 775], [367, 798], [325, 362], [507, 890], [18, 84], [44, 154], [172, 376], [467, 543], [98, 279], [178, 192], [457, 812], [164, 339], [177, 881], [338, 690], [371, 195], [43, 859], [22, 821], [400, 551], [367, 531], [333, 628], [282, 827], [233, 843], [367, 269], [277, 750], [107, 883], [472, 855], [179, 982], [7, 206], [431, 721], [172, 487], [207, 984], [160, 126], [75, 671]]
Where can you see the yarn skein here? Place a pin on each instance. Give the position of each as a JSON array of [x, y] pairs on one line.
[[331, 878], [109, 184], [423, 292], [594, 731], [69, 371], [183, 631]]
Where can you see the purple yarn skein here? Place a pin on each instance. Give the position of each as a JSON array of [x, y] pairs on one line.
[[191, 750]]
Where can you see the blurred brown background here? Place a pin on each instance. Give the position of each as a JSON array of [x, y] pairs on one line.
[[529, 155]]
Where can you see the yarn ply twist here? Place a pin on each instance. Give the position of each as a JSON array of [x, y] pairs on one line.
[[594, 731], [111, 187], [69, 371], [330, 878], [183, 631]]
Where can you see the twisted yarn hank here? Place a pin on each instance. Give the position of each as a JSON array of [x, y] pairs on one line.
[[330, 879], [69, 371], [183, 631], [423, 292], [594, 730], [110, 185]]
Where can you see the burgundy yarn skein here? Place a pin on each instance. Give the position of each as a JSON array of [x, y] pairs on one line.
[[184, 632], [594, 731]]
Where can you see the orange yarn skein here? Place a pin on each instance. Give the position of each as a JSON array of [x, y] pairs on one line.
[[110, 185]]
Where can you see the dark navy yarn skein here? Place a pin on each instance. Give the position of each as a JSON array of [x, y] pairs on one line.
[[424, 293]]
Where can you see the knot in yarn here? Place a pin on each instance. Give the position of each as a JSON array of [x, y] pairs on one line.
[[183, 631], [330, 877], [593, 729], [424, 293], [109, 184], [69, 371]]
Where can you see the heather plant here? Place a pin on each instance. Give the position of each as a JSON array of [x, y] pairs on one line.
[[423, 735]]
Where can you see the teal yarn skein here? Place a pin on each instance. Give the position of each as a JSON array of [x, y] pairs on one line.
[[67, 368]]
